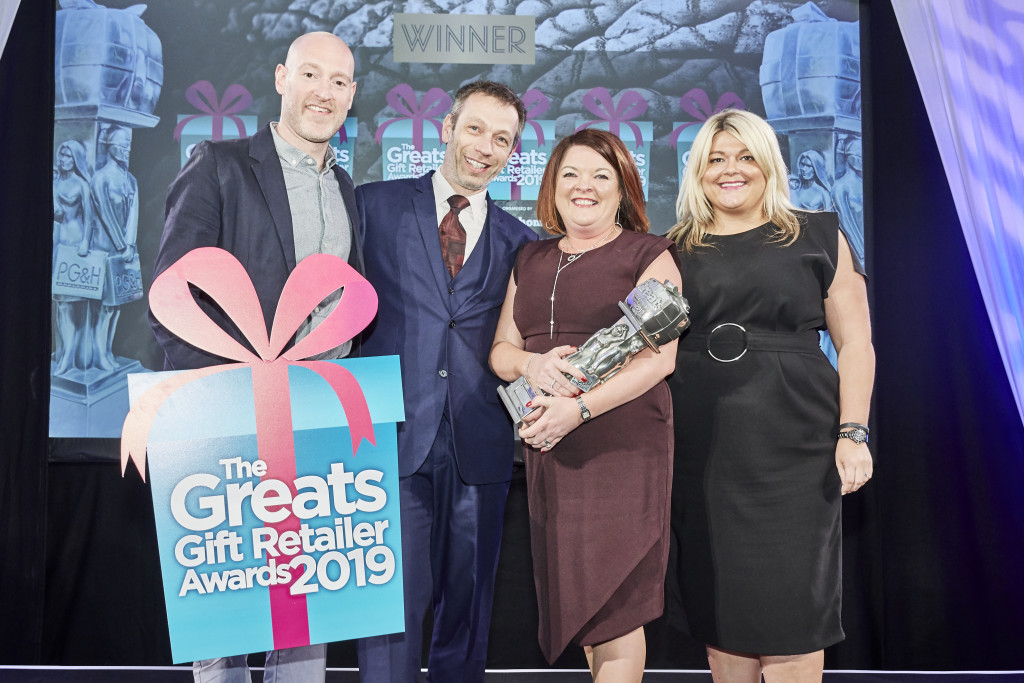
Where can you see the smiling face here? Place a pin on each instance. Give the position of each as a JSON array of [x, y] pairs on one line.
[[586, 192], [479, 142], [316, 86], [733, 182]]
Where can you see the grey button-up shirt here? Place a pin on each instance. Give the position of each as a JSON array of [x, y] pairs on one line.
[[320, 222]]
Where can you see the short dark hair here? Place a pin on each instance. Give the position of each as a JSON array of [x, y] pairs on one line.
[[632, 207], [498, 91]]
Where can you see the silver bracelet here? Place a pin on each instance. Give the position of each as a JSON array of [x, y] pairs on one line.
[[526, 373]]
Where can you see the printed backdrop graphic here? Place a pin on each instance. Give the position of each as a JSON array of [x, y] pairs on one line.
[[634, 68]]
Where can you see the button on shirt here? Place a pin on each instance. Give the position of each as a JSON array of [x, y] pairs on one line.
[[472, 217], [320, 222]]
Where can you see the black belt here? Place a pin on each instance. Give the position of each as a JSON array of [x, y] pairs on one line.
[[729, 342]]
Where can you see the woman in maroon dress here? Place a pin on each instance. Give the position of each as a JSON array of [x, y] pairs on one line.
[[599, 464]]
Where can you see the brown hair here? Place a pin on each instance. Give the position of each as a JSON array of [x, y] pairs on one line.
[[632, 207], [498, 91]]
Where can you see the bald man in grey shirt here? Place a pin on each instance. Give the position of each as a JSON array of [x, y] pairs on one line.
[[271, 200]]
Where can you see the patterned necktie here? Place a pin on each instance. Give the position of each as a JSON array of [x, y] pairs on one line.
[[453, 235]]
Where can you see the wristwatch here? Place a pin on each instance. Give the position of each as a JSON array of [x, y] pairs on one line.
[[584, 413], [858, 434]]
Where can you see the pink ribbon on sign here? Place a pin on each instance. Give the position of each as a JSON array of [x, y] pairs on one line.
[[697, 104], [224, 280], [203, 96], [536, 104], [402, 98], [631, 104]]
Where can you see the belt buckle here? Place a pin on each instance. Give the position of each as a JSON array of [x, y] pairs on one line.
[[746, 342]]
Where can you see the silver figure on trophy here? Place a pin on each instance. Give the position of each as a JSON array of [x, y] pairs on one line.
[[653, 314]]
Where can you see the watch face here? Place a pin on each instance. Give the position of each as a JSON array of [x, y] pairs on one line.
[[857, 436], [584, 411]]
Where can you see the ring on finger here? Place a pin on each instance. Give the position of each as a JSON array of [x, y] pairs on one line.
[[547, 443], [554, 380]]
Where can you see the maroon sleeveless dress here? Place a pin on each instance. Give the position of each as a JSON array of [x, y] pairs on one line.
[[599, 500]]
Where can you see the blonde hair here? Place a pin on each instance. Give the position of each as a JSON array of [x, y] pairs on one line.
[[694, 212]]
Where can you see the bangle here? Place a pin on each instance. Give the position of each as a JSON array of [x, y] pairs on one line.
[[526, 373], [854, 425]]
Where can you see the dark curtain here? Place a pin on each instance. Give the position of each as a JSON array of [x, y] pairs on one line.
[[950, 453], [933, 552], [26, 124]]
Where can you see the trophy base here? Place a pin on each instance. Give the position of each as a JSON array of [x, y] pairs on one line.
[[589, 383], [515, 397]]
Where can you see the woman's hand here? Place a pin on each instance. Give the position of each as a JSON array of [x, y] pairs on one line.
[[547, 373], [552, 419], [853, 460]]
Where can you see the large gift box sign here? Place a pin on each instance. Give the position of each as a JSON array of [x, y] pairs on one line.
[[274, 479]]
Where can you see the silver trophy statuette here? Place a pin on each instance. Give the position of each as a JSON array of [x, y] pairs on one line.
[[653, 314]]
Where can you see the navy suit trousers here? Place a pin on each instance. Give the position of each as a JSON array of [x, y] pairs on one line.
[[451, 533]]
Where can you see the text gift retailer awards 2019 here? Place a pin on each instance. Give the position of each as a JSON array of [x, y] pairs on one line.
[[274, 479]]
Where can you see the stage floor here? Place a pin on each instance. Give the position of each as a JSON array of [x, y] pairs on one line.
[[182, 674]]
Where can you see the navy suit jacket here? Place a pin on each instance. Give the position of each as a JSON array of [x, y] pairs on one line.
[[442, 328], [231, 194]]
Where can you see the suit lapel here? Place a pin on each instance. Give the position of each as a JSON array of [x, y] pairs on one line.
[[426, 217], [348, 194], [267, 168]]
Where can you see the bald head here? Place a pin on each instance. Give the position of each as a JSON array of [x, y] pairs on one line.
[[316, 41], [316, 84]]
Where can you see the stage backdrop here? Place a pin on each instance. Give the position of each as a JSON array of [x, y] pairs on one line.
[[136, 87]]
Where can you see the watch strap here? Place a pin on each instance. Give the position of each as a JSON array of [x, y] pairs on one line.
[[584, 412], [856, 435]]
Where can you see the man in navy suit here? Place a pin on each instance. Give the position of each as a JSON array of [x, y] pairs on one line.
[[438, 311], [270, 200]]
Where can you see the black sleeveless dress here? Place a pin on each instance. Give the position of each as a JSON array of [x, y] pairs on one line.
[[756, 565], [599, 500]]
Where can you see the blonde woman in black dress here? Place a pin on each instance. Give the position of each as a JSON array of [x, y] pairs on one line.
[[599, 465], [768, 435]]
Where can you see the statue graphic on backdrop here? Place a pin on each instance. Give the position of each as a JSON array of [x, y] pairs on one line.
[[72, 221], [848, 197], [116, 212], [810, 187]]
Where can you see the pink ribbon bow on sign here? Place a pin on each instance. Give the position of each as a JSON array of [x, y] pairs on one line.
[[402, 98], [631, 104], [222, 277], [203, 96], [697, 104], [536, 104]]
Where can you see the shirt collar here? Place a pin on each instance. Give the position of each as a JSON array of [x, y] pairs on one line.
[[293, 156], [443, 190]]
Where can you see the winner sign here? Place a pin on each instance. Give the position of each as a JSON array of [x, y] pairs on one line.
[[274, 479]]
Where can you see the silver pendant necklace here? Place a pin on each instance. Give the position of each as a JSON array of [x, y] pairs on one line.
[[570, 258]]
